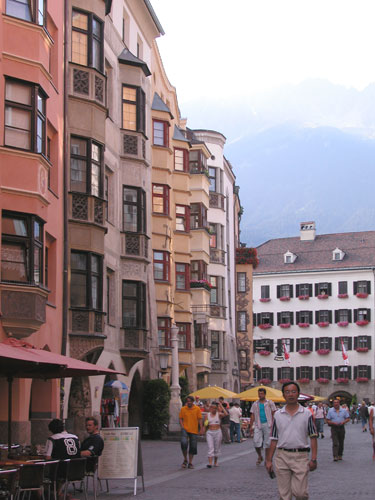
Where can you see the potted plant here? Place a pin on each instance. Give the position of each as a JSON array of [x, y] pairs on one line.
[[303, 297], [342, 323], [246, 255], [264, 381], [303, 325], [341, 380], [323, 324], [284, 299], [265, 326], [267, 299], [156, 397], [362, 322], [264, 353], [304, 351], [323, 352], [284, 380], [322, 380], [322, 296], [361, 295], [304, 380], [361, 349], [361, 380], [343, 296], [284, 325], [200, 284]]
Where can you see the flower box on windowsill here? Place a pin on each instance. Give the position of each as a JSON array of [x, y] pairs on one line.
[[343, 296], [304, 351], [323, 352], [264, 381], [361, 349], [361, 295], [303, 297], [361, 322], [322, 296], [323, 324], [322, 380], [265, 300], [284, 380], [200, 284], [265, 326], [342, 380], [284, 299], [264, 353], [361, 380], [284, 325], [342, 323], [304, 325], [303, 380]]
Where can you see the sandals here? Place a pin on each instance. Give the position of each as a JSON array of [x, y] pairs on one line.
[[190, 466], [209, 466], [184, 464], [259, 461]]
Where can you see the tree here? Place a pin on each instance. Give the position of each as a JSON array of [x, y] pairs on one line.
[[156, 397]]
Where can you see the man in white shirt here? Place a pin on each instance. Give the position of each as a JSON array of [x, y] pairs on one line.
[[235, 414]]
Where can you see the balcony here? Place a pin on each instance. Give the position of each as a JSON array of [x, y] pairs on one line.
[[217, 311], [217, 256], [217, 200], [219, 366], [133, 346], [134, 245], [133, 145], [23, 309], [86, 322], [87, 208], [87, 83]]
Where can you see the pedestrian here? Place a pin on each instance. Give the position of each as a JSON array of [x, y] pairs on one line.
[[235, 421], [61, 445], [363, 415], [292, 428], [224, 424], [213, 432], [191, 426], [261, 420], [93, 445], [337, 418], [371, 423], [319, 419]]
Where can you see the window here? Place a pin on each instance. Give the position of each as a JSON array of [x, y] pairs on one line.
[[86, 166], [213, 229], [160, 133], [182, 277], [161, 266], [133, 108], [86, 284], [343, 372], [284, 291], [134, 209], [110, 309], [304, 343], [197, 162], [285, 373], [323, 343], [21, 248], [362, 287], [198, 216], [362, 342], [263, 345], [241, 282], [212, 177], [343, 316], [198, 270], [362, 371], [133, 304], [214, 290], [242, 321], [343, 287], [25, 116], [323, 372], [323, 289], [289, 258], [323, 316], [201, 335], [181, 160], [285, 317], [304, 317], [215, 344], [362, 315], [304, 290], [265, 292], [87, 40], [28, 10], [164, 332], [304, 372], [182, 218], [266, 373], [160, 199], [264, 319], [347, 341], [183, 335], [243, 359], [289, 343]]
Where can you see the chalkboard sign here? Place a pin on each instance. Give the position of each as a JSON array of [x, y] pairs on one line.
[[121, 457]]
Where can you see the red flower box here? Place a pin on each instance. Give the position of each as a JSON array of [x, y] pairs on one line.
[[361, 322], [343, 296], [323, 352], [323, 324], [303, 380], [343, 323], [303, 325], [284, 325], [362, 295], [200, 284], [264, 381], [342, 380], [322, 380], [322, 296], [264, 353], [246, 255], [304, 351], [265, 326], [362, 349], [361, 380], [284, 380], [265, 300], [284, 299], [303, 297]]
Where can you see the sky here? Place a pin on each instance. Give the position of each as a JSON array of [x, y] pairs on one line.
[[216, 49]]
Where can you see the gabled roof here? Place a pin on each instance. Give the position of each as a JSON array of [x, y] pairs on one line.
[[178, 135], [126, 57], [159, 105], [314, 255]]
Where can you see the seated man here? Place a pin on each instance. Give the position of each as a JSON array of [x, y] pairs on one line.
[[61, 445], [93, 445]]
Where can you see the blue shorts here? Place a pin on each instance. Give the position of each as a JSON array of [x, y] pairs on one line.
[[189, 441]]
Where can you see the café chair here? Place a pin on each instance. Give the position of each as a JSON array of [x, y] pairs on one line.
[[73, 471], [50, 477], [30, 478], [91, 471], [8, 484]]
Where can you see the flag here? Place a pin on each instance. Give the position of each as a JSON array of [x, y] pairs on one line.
[[286, 353], [344, 353]]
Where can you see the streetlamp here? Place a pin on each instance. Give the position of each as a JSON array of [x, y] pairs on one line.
[[175, 403], [163, 362]]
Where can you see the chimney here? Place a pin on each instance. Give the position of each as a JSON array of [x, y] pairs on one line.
[[307, 231]]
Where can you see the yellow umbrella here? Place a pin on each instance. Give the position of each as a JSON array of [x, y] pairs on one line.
[[213, 392], [252, 394], [319, 398]]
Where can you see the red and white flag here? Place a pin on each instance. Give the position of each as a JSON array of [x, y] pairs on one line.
[[286, 353], [344, 353]]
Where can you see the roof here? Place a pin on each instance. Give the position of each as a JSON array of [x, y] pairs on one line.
[[126, 57], [178, 135], [359, 249], [159, 105], [154, 17]]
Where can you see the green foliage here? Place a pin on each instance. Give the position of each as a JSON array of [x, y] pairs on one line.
[[156, 397], [184, 384], [354, 400]]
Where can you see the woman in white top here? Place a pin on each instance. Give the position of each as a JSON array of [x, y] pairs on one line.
[[213, 434], [371, 423]]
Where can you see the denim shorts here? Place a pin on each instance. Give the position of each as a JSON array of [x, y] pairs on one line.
[[189, 441]]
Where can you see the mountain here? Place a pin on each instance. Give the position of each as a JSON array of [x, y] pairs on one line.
[[306, 151]]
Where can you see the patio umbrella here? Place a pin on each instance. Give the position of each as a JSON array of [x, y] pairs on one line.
[[213, 392], [117, 384], [305, 397], [19, 359], [252, 394]]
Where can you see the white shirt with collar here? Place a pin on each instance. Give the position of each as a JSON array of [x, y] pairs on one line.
[[293, 431]]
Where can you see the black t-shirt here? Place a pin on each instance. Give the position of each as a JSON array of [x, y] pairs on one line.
[[62, 446], [94, 443]]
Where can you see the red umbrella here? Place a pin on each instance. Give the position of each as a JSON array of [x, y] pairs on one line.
[[18, 359], [305, 397]]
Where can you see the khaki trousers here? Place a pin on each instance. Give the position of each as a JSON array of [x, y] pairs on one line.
[[292, 469]]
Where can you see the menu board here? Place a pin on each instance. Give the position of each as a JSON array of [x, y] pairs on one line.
[[119, 459]]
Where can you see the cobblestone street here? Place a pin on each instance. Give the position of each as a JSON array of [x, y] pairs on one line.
[[240, 478]]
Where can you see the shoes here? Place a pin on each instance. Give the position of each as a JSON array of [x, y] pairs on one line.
[[259, 461], [322, 436], [209, 466], [190, 466], [184, 464], [339, 457], [335, 459]]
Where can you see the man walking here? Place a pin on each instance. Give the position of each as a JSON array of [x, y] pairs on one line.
[[261, 418], [191, 426], [292, 426], [337, 418], [93, 445], [235, 414]]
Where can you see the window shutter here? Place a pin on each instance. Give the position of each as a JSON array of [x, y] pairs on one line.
[[355, 315], [278, 373], [330, 372], [297, 290], [355, 372], [291, 318], [349, 372], [355, 342], [186, 161], [330, 316], [271, 319], [337, 348], [254, 319], [369, 372], [368, 316], [291, 373], [350, 343], [310, 372], [316, 316], [329, 289], [354, 287], [297, 317], [297, 344], [291, 291], [369, 342], [330, 343], [316, 289], [311, 347], [271, 374], [369, 287], [278, 291], [259, 318], [317, 343], [141, 110], [271, 345], [349, 315], [278, 318], [291, 345], [336, 372], [298, 372], [310, 290], [336, 316], [310, 317], [316, 372]]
